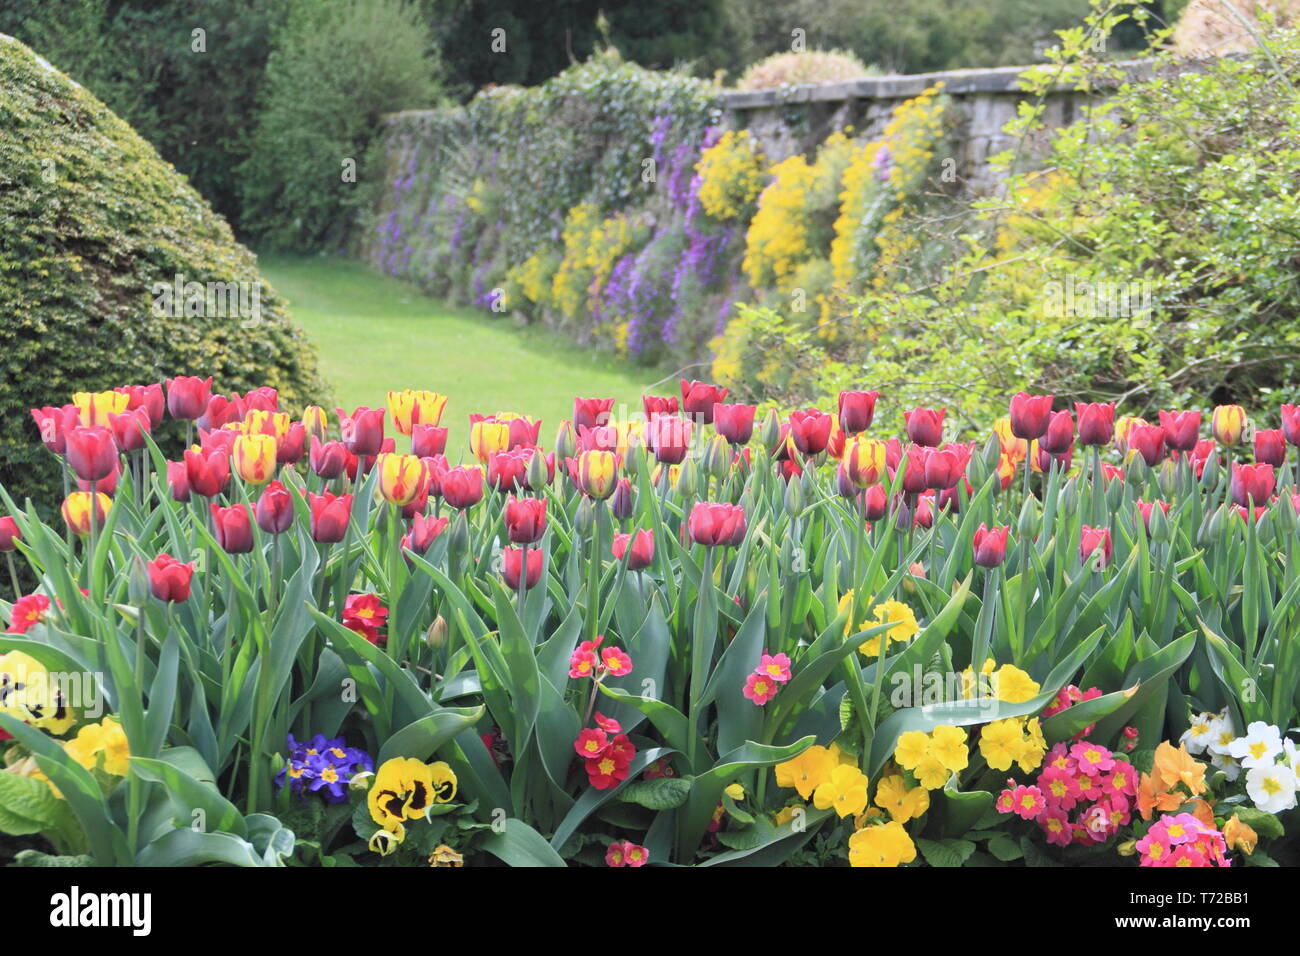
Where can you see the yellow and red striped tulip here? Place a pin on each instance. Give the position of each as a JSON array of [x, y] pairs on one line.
[[1228, 423], [96, 407], [400, 478], [77, 511], [487, 437], [598, 473], [254, 458], [410, 408]]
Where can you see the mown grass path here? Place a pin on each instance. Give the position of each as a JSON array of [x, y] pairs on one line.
[[376, 333]]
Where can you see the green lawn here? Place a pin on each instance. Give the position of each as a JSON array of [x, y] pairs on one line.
[[376, 333]]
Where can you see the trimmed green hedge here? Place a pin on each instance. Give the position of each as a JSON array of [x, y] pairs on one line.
[[90, 219]]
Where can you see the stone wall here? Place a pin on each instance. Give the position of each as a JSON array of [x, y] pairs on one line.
[[796, 119]]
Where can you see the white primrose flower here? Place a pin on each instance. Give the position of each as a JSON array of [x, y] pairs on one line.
[[1204, 730], [1273, 788], [1260, 747], [1231, 769], [1222, 736]]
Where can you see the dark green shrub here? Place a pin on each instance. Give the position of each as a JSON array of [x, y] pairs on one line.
[[90, 219]]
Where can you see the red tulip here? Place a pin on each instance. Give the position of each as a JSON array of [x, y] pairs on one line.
[[735, 423], [698, 398], [329, 516], [1096, 422], [990, 545], [233, 528], [876, 503], [178, 480], [1149, 442], [55, 423], [925, 426], [107, 485], [327, 459], [208, 472], [1182, 429], [591, 411], [621, 502], [169, 579], [129, 428], [525, 520], [914, 475], [1145, 509], [643, 549], [1252, 483], [362, 431], [942, 467], [1059, 437], [856, 411], [1270, 447], [9, 533], [274, 511], [717, 525], [659, 405], [148, 397], [1095, 540], [1291, 423], [512, 566], [924, 517], [462, 487], [187, 396], [290, 448], [669, 437], [424, 531], [949, 499], [264, 399], [810, 430], [508, 470], [1030, 415], [428, 440], [221, 411], [91, 452]]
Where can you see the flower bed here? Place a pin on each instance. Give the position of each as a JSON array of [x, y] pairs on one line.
[[686, 635]]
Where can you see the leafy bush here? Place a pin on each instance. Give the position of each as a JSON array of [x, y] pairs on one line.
[[338, 66], [91, 218], [811, 66]]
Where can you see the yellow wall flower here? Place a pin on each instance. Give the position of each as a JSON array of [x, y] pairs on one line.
[[902, 804]]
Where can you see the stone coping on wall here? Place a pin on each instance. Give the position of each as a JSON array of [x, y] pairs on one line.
[[1001, 79]]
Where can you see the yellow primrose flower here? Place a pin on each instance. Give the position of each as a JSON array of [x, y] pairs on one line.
[[900, 616], [735, 791], [948, 746], [913, 747], [931, 773], [786, 814], [1001, 743], [106, 738], [1013, 685], [845, 790], [807, 771], [902, 804], [884, 845]]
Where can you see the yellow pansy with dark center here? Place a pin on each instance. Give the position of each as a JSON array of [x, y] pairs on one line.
[[404, 789]]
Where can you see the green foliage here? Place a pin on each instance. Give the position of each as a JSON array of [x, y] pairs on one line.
[[338, 66], [91, 219]]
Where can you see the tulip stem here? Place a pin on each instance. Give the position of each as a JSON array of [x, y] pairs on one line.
[[13, 576], [523, 581]]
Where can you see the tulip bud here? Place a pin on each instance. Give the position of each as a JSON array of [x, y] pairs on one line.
[[717, 458], [794, 498], [1161, 529], [458, 543], [688, 479], [634, 459], [436, 635], [584, 517], [1216, 524], [566, 441], [623, 501], [769, 434], [1068, 499], [1210, 473], [1027, 526], [137, 588], [991, 456], [539, 476], [903, 517]]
